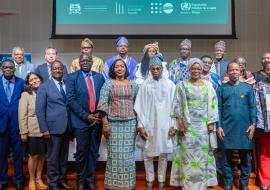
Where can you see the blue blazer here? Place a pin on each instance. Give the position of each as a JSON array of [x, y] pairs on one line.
[[78, 97], [10, 109], [43, 71], [51, 109]]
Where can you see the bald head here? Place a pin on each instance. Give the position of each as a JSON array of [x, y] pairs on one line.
[[265, 58]]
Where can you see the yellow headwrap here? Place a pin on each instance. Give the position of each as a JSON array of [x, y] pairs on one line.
[[153, 45]]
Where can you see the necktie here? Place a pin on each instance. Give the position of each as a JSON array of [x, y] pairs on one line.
[[92, 103], [49, 71], [17, 71], [8, 91], [62, 91]]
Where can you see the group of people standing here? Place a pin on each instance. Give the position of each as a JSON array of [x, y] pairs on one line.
[[188, 108]]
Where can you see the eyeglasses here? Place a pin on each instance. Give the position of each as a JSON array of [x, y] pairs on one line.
[[208, 62], [7, 67], [87, 47]]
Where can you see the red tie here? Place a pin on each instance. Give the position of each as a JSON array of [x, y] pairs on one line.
[[92, 103]]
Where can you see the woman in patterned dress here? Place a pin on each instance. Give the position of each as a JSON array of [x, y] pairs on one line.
[[119, 127], [195, 107]]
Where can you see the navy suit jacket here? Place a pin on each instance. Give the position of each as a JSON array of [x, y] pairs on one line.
[[43, 71], [51, 109], [78, 97], [10, 109]]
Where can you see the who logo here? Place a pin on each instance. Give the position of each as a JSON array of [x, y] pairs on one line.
[[185, 6]]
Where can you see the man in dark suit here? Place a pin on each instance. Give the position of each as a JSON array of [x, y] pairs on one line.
[[83, 90], [45, 69], [52, 115], [11, 88]]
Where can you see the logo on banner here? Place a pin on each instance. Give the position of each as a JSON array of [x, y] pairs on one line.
[[185, 6], [168, 8], [75, 8]]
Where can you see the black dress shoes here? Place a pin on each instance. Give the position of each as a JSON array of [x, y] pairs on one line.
[[228, 187], [3, 186], [80, 187], [19, 186], [244, 187], [53, 188], [65, 186], [92, 186]]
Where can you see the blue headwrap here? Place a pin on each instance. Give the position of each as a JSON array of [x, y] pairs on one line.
[[121, 39], [156, 60]]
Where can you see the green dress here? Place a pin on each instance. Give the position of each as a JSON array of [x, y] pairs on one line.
[[194, 164], [117, 101]]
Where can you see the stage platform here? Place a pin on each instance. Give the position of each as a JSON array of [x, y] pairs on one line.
[[140, 183]]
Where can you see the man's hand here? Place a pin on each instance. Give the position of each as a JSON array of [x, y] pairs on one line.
[[171, 132], [220, 133], [250, 131], [143, 133], [46, 135], [93, 119], [210, 127], [24, 137]]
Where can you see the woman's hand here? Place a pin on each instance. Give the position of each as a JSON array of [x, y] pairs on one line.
[[106, 130], [24, 137], [181, 126]]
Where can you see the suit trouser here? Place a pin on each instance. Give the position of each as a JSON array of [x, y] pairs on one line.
[[88, 141], [245, 157], [57, 158], [11, 138], [162, 167]]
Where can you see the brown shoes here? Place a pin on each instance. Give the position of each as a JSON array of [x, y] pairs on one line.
[[40, 185], [32, 185]]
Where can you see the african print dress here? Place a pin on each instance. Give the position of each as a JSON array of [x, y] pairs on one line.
[[117, 101], [194, 165]]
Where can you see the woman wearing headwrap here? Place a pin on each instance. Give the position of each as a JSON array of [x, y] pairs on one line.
[[142, 69], [196, 111]]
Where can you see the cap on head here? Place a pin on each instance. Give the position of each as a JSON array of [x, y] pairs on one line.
[[221, 45], [156, 60], [186, 42], [121, 40]]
